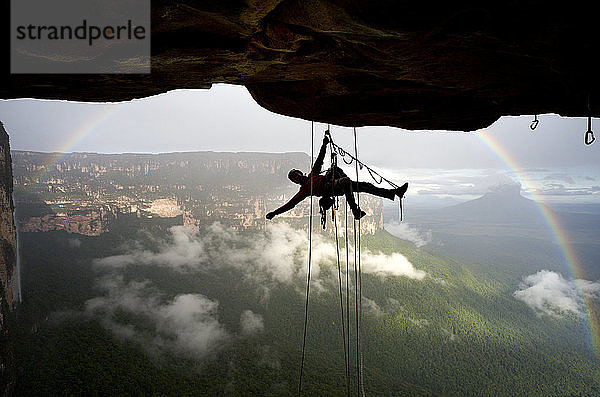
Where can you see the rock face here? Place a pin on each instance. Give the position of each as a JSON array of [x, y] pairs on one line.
[[84, 193], [89, 224], [417, 65], [8, 237], [8, 265]]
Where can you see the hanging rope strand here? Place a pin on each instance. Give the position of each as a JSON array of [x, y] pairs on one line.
[[312, 156], [356, 307], [343, 154], [359, 354], [360, 164], [400, 211], [347, 294], [337, 251], [371, 172], [374, 174]]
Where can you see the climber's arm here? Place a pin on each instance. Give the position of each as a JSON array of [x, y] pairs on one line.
[[320, 158], [301, 195]]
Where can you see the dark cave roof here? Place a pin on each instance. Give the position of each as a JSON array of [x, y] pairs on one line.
[[415, 65]]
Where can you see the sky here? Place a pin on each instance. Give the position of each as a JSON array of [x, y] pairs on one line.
[[551, 161]]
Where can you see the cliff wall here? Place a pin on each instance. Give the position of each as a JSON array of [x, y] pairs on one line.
[[83, 192], [8, 266], [411, 64]]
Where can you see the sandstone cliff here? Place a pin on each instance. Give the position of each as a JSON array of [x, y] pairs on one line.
[[84, 192], [416, 65], [8, 265]]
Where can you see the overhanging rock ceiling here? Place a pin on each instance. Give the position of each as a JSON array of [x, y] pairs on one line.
[[415, 65]]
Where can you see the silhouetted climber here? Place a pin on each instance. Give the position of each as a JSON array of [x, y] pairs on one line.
[[342, 185]]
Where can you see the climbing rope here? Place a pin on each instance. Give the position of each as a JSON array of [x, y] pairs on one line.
[[337, 250], [345, 320], [377, 178], [359, 353], [356, 312], [346, 361], [312, 156], [358, 277], [347, 293], [343, 154], [360, 165], [400, 211]]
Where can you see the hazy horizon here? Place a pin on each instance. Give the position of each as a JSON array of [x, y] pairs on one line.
[[551, 163], [167, 266]]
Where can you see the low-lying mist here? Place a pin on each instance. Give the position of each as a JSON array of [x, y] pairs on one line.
[[188, 324]]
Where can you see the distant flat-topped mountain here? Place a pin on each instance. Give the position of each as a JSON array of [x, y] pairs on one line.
[[501, 212], [503, 227], [503, 205]]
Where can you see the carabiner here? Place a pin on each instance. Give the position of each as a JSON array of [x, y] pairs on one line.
[[589, 137], [534, 123]]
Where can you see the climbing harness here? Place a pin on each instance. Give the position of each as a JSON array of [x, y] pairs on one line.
[[377, 178], [325, 203], [332, 174]]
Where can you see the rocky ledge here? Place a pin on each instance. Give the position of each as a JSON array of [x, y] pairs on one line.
[[416, 65]]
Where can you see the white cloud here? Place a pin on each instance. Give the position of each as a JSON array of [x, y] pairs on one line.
[[186, 325], [394, 265], [458, 182], [371, 307], [548, 292], [560, 177], [280, 254], [589, 288], [283, 252], [251, 322], [186, 251], [407, 232]]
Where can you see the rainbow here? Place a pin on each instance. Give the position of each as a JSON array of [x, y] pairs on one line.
[[562, 239], [80, 133]]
